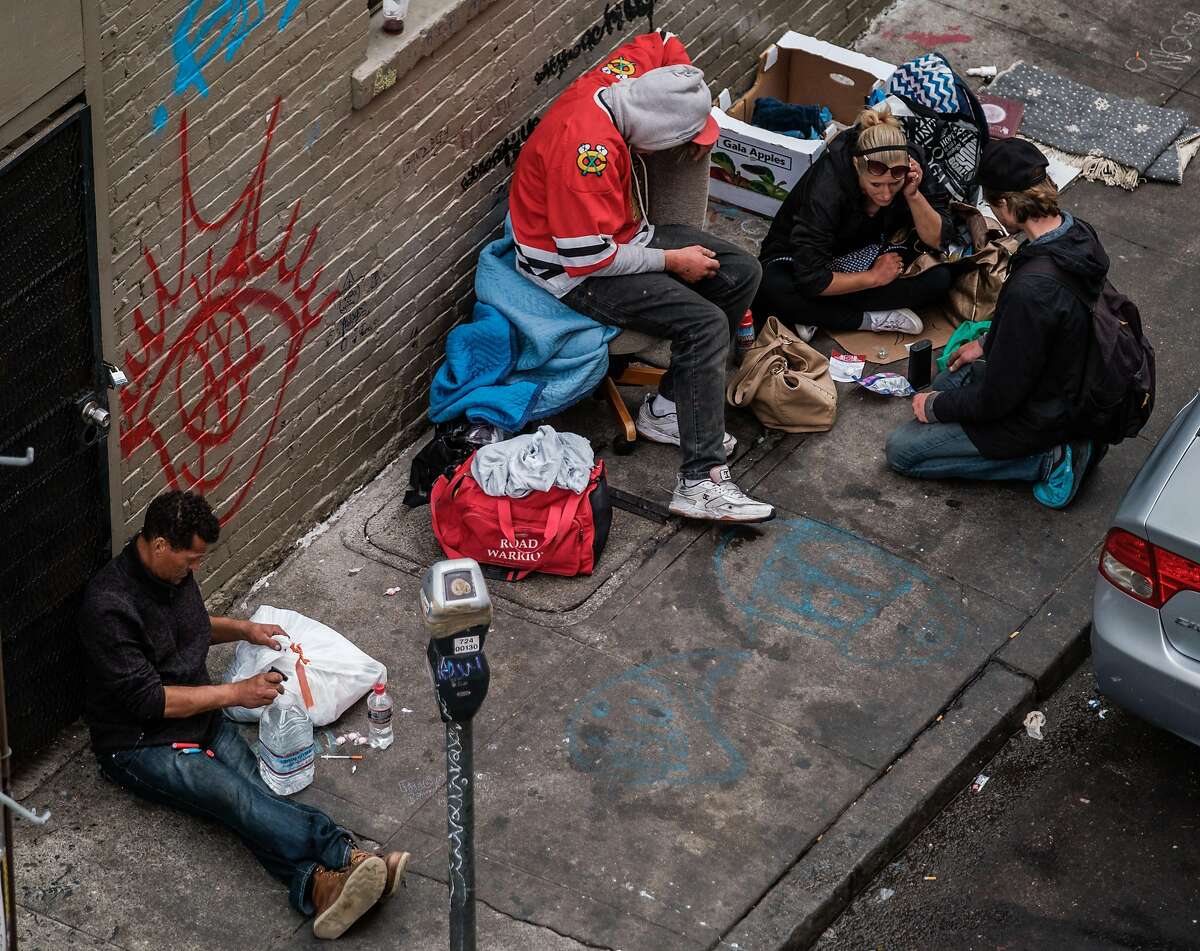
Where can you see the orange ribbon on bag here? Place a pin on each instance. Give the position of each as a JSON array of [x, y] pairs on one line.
[[301, 662]]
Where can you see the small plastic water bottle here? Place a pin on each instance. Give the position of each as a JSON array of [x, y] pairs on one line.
[[286, 758], [744, 338], [379, 718]]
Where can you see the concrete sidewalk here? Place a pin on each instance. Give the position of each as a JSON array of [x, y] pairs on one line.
[[720, 737]]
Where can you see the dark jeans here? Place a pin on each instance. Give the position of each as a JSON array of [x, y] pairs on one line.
[[289, 838], [779, 295], [945, 451], [698, 319]]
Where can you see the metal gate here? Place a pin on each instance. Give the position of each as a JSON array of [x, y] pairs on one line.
[[54, 524]]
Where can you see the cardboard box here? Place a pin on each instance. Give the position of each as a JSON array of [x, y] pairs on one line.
[[754, 168]]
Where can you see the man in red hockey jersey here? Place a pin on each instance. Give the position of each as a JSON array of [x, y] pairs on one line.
[[581, 235]]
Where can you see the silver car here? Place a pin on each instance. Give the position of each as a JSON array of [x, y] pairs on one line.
[[1146, 609]]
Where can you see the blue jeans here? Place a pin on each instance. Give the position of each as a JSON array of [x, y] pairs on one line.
[[945, 451], [289, 838]]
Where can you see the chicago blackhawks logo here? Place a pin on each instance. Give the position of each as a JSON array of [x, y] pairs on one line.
[[620, 67], [592, 161]]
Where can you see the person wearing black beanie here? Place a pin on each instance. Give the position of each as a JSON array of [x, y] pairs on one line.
[[1006, 406]]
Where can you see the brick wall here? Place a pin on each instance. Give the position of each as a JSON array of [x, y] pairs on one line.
[[282, 306]]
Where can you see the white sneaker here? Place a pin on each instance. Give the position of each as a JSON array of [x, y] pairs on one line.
[[718, 499], [901, 321], [806, 332], [665, 428]]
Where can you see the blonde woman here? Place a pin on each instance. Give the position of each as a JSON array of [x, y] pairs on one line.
[[828, 260]]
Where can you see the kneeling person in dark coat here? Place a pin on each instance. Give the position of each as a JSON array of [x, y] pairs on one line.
[[146, 633], [1006, 408]]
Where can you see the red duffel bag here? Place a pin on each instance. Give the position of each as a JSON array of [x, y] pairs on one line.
[[555, 532]]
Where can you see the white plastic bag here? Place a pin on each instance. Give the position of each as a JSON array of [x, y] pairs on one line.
[[338, 673]]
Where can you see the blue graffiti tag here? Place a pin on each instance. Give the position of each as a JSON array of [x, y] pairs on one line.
[[209, 28], [642, 727], [822, 582]]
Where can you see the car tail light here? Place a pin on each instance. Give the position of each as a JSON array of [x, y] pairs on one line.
[[1145, 571]]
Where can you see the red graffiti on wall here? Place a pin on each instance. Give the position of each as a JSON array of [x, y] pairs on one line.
[[201, 382]]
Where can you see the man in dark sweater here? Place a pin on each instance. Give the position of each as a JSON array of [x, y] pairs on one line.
[[1006, 408], [146, 633]]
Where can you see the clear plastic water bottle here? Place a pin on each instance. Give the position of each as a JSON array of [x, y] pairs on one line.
[[286, 758], [379, 718]]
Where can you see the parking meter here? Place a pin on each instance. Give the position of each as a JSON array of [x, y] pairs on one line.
[[457, 612]]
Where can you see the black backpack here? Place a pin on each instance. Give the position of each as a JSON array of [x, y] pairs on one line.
[[1117, 395]]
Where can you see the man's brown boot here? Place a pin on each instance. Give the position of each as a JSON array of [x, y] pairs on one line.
[[340, 898], [396, 863]]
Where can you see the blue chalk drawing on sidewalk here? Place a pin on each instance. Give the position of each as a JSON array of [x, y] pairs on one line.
[[827, 583], [643, 727], [210, 28]]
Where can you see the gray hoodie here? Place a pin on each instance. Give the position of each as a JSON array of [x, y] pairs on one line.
[[656, 111]]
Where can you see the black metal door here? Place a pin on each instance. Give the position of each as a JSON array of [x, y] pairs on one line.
[[54, 524]]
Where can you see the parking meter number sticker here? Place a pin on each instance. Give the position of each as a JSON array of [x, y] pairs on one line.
[[466, 645]]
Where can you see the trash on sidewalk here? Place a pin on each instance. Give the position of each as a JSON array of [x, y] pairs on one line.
[[391, 592], [931, 878], [886, 893], [887, 384], [846, 367], [980, 781], [354, 571], [982, 72], [1034, 722], [1103, 714], [1094, 704], [755, 168]]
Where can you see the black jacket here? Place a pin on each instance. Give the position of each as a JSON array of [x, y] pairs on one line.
[[139, 635], [824, 216], [1025, 400]]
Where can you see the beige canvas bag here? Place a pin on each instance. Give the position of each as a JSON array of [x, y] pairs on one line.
[[785, 382]]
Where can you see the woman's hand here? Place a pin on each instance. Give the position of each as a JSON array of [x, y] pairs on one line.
[[887, 268], [912, 182]]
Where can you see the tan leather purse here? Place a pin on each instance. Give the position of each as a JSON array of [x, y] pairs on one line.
[[785, 382]]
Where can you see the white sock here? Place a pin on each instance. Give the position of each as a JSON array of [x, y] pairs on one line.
[[662, 406]]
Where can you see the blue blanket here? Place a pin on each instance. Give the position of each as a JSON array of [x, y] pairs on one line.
[[523, 356]]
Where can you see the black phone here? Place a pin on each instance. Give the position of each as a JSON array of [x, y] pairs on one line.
[[920, 364]]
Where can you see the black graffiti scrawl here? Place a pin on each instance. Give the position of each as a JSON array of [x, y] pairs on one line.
[[614, 18]]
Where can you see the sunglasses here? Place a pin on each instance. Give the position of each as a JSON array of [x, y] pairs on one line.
[[875, 167], [878, 168]]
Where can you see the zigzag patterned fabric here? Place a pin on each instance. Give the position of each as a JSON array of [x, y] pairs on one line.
[[927, 80]]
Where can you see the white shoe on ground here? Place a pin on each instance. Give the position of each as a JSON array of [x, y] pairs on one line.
[[902, 321], [806, 332], [665, 428], [718, 499]]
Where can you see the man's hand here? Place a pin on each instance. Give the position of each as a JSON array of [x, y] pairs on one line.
[[918, 407], [693, 263], [264, 634], [887, 268], [257, 691], [967, 353], [912, 182]]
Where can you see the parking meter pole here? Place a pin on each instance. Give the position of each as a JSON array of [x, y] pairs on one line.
[[460, 829], [457, 613]]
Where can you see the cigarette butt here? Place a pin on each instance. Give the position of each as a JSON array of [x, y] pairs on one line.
[[931, 878], [1013, 634]]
